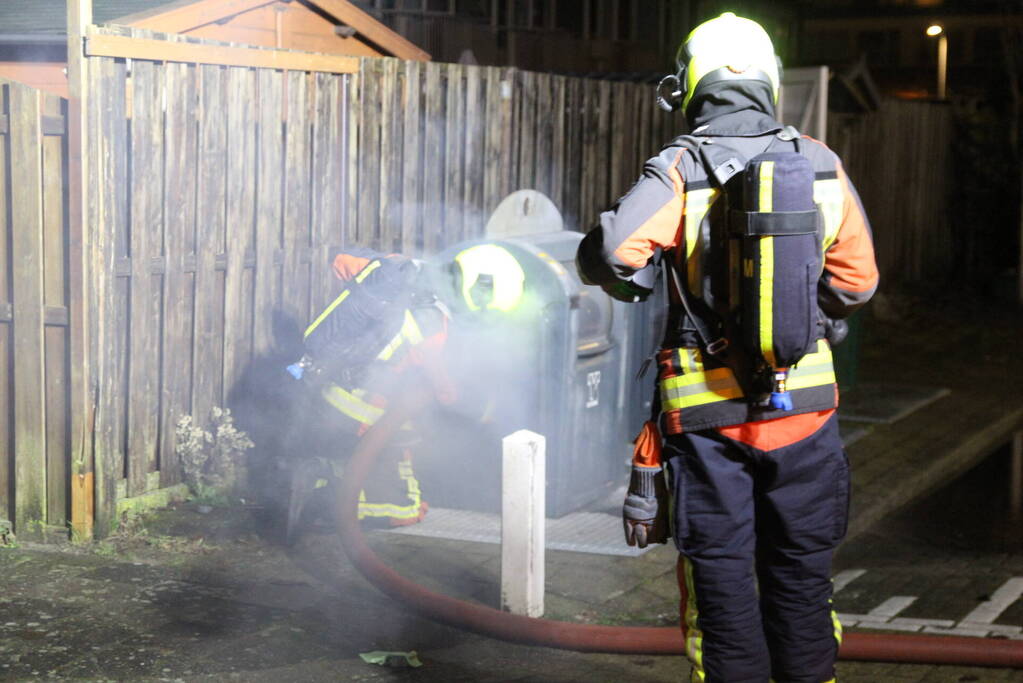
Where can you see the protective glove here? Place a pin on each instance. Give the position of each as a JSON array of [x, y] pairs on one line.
[[835, 331], [645, 512]]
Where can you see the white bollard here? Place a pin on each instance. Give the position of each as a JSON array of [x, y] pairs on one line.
[[522, 523]]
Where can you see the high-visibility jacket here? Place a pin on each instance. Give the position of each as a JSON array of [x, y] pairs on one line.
[[670, 209]]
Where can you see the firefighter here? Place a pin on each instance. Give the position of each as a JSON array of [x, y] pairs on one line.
[[380, 331], [388, 328], [760, 489]]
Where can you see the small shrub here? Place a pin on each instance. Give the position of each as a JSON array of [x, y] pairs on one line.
[[210, 461]]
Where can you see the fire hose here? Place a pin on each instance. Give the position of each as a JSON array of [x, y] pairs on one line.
[[903, 648]]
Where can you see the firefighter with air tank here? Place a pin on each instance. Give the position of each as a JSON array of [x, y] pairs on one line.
[[763, 245], [386, 330]]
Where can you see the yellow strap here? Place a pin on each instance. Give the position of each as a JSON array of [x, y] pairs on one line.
[[409, 332], [370, 267], [766, 284], [327, 311]]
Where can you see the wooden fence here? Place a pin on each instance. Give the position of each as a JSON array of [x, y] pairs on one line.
[[900, 159], [434, 147], [217, 195], [34, 368]]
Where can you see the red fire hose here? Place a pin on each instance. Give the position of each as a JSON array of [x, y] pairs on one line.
[[592, 638]]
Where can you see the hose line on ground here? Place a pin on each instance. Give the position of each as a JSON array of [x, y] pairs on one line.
[[904, 648]]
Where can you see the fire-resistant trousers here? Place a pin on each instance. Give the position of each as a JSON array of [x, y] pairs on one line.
[[756, 531]]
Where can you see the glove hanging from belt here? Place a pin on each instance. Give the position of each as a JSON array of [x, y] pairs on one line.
[[645, 512]]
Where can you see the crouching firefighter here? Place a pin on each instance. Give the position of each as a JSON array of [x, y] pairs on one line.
[[383, 331], [762, 244]]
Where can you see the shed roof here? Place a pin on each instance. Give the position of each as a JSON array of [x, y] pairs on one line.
[[46, 20], [50, 16]]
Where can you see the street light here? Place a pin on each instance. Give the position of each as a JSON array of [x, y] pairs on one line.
[[939, 31]]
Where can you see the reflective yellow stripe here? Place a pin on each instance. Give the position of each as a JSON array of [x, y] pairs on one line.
[[701, 387], [836, 624], [364, 273], [805, 381], [352, 405], [388, 510], [693, 634], [394, 510], [697, 204], [341, 297], [409, 332], [767, 267], [827, 194], [326, 312]]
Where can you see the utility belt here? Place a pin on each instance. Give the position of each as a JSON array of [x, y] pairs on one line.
[[698, 391]]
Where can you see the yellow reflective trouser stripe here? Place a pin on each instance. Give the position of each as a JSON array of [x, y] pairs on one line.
[[391, 509], [351, 404], [409, 332], [766, 283], [719, 384], [327, 311], [693, 634], [837, 626], [364, 273]]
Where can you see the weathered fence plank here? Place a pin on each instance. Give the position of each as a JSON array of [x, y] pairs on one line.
[[454, 156], [389, 235], [603, 144], [146, 237], [433, 161], [572, 195], [473, 220], [208, 336], [559, 160], [353, 114], [327, 225], [55, 268], [180, 162], [108, 209], [27, 293], [297, 191], [368, 190], [494, 154], [6, 386], [240, 224], [412, 159], [526, 128], [269, 151], [544, 134]]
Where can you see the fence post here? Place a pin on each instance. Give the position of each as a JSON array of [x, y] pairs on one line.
[[81, 406], [522, 523]]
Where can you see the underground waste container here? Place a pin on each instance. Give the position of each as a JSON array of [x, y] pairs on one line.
[[555, 365]]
